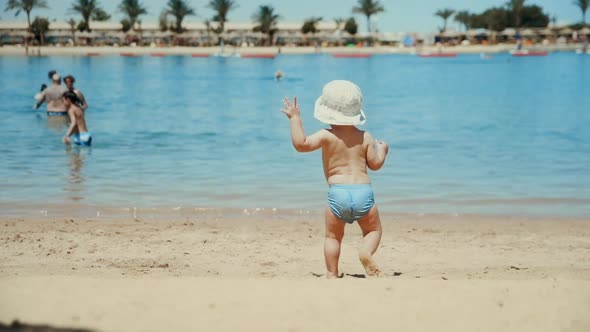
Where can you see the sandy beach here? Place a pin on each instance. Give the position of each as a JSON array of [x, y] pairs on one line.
[[204, 51], [264, 272]]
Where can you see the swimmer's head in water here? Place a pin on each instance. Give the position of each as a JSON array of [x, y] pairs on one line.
[[51, 73], [56, 78], [71, 98], [43, 87]]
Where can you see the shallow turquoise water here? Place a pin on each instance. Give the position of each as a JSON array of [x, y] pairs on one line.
[[500, 136]]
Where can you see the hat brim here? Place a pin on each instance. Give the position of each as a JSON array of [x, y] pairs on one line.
[[330, 116]]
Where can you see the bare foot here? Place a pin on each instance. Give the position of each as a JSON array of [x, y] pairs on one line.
[[334, 276], [370, 266]]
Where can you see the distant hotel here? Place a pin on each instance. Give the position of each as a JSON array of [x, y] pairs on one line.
[[243, 34]]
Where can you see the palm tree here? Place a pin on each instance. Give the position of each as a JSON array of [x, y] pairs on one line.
[[222, 8], [583, 5], [208, 29], [179, 9], [350, 26], [445, 14], [516, 7], [339, 22], [133, 9], [464, 17], [27, 6], [267, 21], [88, 9], [72, 23], [163, 20], [310, 25], [100, 15], [125, 24], [39, 27], [368, 8]]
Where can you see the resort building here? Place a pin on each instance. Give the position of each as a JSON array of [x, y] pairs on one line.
[[243, 34]]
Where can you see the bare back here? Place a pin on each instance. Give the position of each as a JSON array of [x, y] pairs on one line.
[[344, 155], [53, 96], [78, 114]]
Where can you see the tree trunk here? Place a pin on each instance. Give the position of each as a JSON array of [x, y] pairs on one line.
[[208, 35], [30, 29], [178, 25], [222, 28], [369, 23], [29, 20]]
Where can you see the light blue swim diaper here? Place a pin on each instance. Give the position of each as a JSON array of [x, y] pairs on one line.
[[350, 202]]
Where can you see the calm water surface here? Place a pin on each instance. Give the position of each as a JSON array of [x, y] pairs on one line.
[[500, 136]]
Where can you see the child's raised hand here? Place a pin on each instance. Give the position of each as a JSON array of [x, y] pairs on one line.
[[291, 110]]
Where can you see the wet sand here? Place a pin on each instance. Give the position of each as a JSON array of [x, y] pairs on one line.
[[265, 271]]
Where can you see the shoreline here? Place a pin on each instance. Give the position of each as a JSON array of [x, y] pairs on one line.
[[48, 212], [263, 51]]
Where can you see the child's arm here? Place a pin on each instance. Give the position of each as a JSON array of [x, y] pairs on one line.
[[73, 124], [39, 102], [376, 153], [298, 138]]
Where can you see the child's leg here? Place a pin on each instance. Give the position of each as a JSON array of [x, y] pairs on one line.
[[371, 226], [334, 235]]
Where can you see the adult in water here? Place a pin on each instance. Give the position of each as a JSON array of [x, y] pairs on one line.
[[69, 81], [53, 96], [39, 95]]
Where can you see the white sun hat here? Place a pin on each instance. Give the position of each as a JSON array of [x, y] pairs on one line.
[[341, 103]]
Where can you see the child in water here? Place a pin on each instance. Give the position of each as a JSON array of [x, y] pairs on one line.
[[77, 130], [347, 152], [39, 96]]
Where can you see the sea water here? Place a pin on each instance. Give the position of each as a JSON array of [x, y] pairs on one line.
[[504, 135]]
